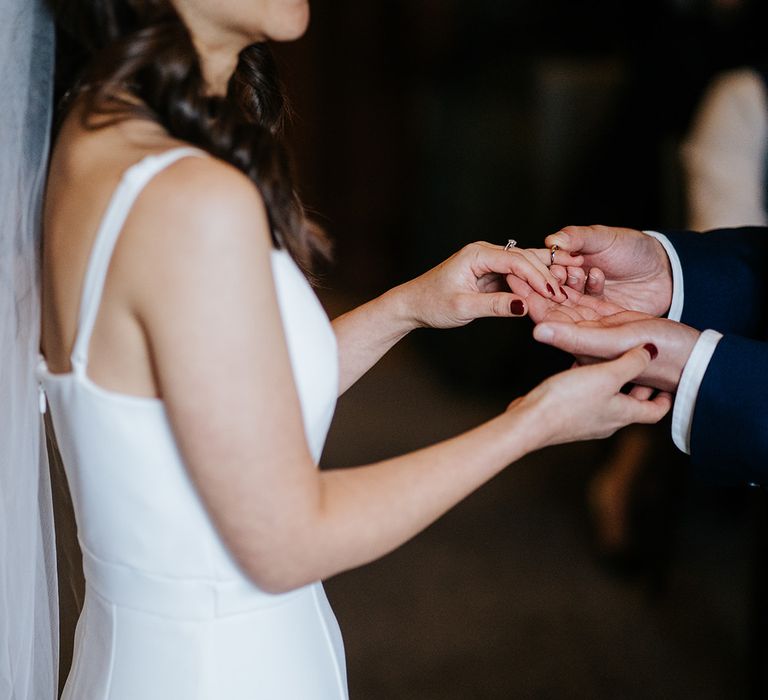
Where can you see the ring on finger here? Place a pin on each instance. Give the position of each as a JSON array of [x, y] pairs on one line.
[[511, 243], [552, 252]]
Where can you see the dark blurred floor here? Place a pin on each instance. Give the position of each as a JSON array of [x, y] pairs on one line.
[[503, 598]]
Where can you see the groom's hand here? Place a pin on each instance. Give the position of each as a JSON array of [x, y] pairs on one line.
[[621, 266], [608, 337]]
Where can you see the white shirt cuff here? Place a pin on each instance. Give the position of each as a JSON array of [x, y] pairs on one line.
[[688, 389], [675, 312]]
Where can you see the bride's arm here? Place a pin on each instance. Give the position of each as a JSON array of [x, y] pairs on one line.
[[466, 286], [215, 334], [367, 332]]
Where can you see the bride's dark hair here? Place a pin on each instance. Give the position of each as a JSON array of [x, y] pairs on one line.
[[142, 48]]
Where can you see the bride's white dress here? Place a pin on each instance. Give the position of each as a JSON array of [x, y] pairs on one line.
[[168, 614]]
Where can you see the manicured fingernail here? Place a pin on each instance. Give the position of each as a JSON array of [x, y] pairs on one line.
[[574, 255], [517, 308], [543, 334], [550, 290], [653, 351]]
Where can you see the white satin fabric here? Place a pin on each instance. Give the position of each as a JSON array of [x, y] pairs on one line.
[[168, 613], [28, 600]]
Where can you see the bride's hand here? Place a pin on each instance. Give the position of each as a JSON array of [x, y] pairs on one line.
[[576, 307], [472, 284], [586, 403]]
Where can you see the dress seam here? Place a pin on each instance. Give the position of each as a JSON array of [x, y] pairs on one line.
[[74, 674], [113, 650], [329, 642], [207, 684]]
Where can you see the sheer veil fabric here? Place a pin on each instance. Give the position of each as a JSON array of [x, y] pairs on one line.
[[28, 598]]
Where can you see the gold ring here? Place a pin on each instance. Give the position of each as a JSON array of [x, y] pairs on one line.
[[552, 252]]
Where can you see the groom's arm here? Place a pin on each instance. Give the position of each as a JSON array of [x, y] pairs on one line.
[[729, 430], [724, 279], [721, 414], [716, 282]]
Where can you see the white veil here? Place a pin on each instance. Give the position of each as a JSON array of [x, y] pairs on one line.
[[28, 598]]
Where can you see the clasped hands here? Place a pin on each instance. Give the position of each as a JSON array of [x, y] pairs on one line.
[[598, 296], [618, 284]]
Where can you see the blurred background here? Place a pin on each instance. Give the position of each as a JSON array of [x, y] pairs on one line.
[[422, 125]]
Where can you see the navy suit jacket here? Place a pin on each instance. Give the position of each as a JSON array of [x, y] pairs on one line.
[[725, 283]]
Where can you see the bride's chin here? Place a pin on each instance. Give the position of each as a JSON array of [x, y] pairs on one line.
[[293, 22]]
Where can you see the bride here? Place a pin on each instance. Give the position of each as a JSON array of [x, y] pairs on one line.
[[192, 374]]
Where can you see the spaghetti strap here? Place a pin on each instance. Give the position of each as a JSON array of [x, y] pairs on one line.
[[131, 184]]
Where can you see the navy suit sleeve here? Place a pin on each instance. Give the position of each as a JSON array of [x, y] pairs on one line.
[[725, 282], [725, 279], [729, 433]]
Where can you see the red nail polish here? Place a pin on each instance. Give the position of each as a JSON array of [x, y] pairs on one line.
[[653, 351], [516, 307], [550, 290], [574, 255]]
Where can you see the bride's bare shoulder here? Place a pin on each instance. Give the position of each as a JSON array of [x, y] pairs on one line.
[[201, 196], [186, 194]]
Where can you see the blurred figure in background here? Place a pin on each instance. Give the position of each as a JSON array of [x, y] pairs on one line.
[[634, 498], [724, 156]]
